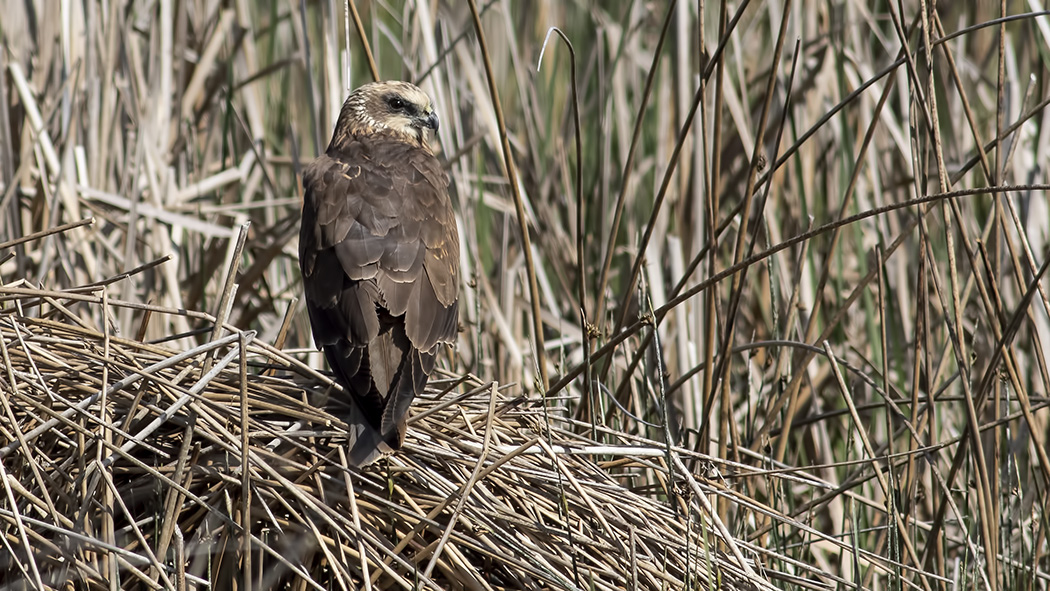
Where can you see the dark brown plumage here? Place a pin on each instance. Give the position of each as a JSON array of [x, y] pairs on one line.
[[379, 252]]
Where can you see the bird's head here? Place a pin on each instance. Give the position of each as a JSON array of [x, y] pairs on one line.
[[394, 108]]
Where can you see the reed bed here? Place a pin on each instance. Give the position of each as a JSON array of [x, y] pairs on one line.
[[121, 454], [762, 285]]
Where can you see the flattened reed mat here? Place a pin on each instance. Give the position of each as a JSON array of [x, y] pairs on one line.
[[155, 468]]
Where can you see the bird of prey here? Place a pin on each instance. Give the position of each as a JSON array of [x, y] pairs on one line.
[[379, 253]]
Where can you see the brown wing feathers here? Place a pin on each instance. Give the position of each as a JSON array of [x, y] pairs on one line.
[[379, 253]]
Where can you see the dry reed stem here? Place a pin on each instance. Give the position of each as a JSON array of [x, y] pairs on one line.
[[172, 124], [263, 451]]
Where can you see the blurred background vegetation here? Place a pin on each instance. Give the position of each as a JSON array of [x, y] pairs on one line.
[[872, 395]]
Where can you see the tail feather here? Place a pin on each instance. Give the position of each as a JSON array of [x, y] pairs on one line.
[[382, 378], [389, 357], [366, 443]]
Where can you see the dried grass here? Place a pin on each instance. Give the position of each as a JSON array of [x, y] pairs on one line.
[[784, 306], [120, 452]]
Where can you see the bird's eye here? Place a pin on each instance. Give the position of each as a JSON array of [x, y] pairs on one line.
[[396, 103]]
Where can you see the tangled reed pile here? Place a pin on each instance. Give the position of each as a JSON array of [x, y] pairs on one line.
[[130, 462]]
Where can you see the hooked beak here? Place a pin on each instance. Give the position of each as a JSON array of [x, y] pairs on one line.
[[431, 121]]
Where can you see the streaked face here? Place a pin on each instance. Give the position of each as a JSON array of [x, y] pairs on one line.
[[395, 106]]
